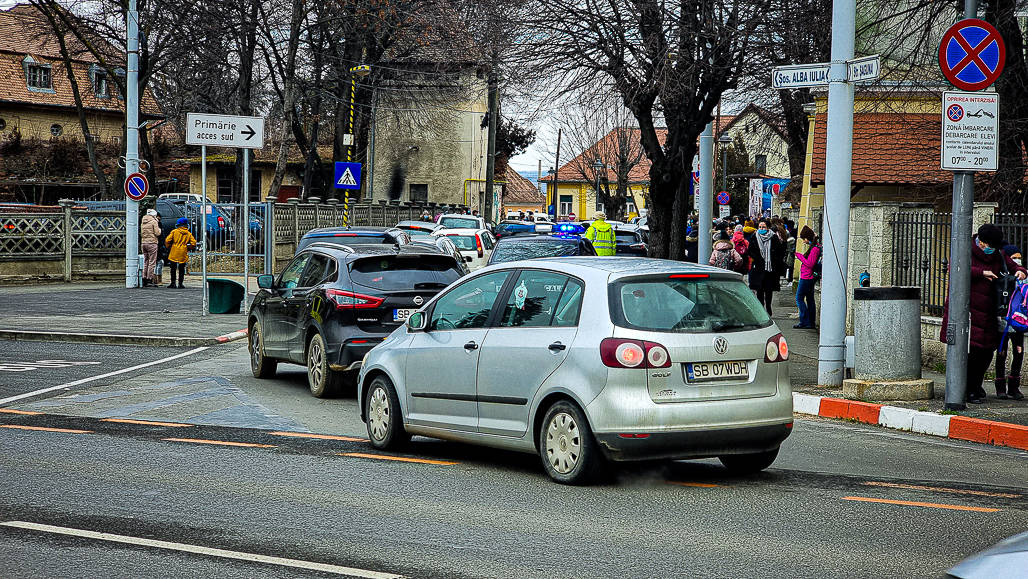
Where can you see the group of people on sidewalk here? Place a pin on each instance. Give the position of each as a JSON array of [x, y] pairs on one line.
[[178, 243], [763, 249], [996, 267]]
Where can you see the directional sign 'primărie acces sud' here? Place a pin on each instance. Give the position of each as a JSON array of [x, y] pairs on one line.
[[972, 54]]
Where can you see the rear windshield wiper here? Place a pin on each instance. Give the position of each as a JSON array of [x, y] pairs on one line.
[[730, 326]]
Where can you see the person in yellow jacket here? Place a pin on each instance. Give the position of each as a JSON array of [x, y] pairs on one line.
[[179, 242], [601, 234]]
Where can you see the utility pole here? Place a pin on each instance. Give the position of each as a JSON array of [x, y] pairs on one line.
[[490, 162], [958, 332], [838, 173], [705, 196], [132, 145]]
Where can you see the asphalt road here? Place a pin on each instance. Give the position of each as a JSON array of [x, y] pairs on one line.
[[31, 366], [835, 504]]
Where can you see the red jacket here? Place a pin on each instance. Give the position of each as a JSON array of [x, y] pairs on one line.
[[985, 331]]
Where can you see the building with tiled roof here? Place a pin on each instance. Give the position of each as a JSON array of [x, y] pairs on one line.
[[519, 194]]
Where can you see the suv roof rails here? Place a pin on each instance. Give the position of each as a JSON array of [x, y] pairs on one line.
[[326, 245]]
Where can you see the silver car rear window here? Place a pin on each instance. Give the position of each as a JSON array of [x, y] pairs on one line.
[[684, 303]]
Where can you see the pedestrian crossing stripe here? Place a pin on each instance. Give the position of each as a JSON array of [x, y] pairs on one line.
[[346, 179]]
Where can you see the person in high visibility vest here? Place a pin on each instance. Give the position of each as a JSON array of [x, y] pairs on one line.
[[601, 234]]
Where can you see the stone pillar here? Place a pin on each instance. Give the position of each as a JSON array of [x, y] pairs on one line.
[[984, 212], [67, 204], [333, 204], [316, 202]]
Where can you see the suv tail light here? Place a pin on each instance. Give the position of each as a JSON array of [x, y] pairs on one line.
[[221, 221], [346, 299], [776, 349], [621, 353], [478, 245]]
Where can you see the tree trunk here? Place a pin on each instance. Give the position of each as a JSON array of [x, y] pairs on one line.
[[1008, 182], [289, 98]]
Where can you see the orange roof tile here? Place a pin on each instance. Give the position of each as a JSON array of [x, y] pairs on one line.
[[888, 148], [520, 190]]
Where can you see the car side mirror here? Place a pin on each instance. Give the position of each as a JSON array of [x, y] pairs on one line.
[[417, 322], [468, 259], [265, 281]]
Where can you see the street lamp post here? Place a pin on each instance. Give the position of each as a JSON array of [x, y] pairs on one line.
[[598, 166], [356, 72]]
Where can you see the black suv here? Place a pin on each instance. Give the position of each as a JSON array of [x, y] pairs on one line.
[[528, 246], [332, 304]]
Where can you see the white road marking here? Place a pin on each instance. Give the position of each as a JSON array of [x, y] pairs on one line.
[[101, 376], [295, 563]]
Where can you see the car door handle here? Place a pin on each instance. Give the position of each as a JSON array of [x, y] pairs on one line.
[[471, 346], [557, 347]]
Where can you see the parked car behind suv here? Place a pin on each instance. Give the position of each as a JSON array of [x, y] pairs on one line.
[[519, 247], [355, 236], [334, 303]]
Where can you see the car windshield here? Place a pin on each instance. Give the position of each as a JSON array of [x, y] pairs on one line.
[[391, 272], [459, 222], [685, 304], [463, 242], [346, 238], [625, 237], [416, 231], [515, 250]]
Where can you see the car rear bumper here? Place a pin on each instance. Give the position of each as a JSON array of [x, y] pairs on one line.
[[350, 353], [694, 443]]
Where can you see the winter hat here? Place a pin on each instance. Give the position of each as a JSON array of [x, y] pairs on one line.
[[600, 215], [1010, 250], [990, 234], [181, 221], [738, 228], [151, 212]]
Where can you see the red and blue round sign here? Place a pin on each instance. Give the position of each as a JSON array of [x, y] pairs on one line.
[[723, 198], [972, 54], [955, 112], [136, 186]]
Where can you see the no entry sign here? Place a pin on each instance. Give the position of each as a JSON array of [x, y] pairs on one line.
[[972, 54]]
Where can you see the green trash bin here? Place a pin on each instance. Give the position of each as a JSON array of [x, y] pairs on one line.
[[224, 295]]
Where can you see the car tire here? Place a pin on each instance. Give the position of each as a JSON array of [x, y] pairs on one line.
[[383, 416], [748, 463], [568, 450], [260, 364], [322, 380]]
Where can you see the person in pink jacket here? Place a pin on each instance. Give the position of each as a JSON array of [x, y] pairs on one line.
[[805, 290]]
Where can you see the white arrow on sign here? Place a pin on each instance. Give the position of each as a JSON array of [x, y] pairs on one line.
[[225, 131]]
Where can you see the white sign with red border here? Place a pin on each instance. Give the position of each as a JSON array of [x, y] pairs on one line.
[[970, 131]]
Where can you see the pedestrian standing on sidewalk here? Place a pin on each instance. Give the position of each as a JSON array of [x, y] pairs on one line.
[[987, 264], [767, 253], [724, 254], [805, 289], [179, 242], [1009, 385], [149, 234], [741, 245]]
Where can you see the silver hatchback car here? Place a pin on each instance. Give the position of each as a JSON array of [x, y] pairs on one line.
[[587, 359]]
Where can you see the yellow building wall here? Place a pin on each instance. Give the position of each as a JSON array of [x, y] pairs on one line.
[[583, 197], [33, 123]]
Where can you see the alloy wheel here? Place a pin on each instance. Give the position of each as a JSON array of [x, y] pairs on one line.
[[255, 346], [315, 362], [563, 443]]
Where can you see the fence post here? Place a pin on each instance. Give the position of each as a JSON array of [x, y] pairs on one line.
[[67, 204], [296, 220], [316, 201], [333, 204], [269, 236]]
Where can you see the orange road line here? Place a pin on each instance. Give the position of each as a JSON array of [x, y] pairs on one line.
[[397, 458], [319, 436], [221, 442], [25, 412], [46, 429], [143, 422], [693, 484], [941, 490], [917, 504]]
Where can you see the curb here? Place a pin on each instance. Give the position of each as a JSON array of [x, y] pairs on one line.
[[117, 339], [945, 425]]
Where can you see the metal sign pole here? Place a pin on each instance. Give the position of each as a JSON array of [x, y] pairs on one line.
[[705, 196], [958, 330], [132, 146], [246, 228], [202, 230]]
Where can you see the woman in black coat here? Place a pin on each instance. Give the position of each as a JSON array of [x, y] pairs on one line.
[[767, 254]]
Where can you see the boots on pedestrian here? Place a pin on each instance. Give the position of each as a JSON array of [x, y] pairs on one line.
[[1014, 388], [1001, 388]]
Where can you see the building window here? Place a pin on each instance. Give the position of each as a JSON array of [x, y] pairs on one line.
[[565, 205], [100, 85], [419, 192], [630, 206], [37, 76], [760, 164], [226, 175], [56, 130]]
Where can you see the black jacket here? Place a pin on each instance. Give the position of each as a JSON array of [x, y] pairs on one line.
[[759, 277]]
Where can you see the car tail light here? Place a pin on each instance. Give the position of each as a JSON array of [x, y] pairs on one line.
[[346, 299], [621, 353], [221, 221], [776, 349], [478, 245], [689, 276]]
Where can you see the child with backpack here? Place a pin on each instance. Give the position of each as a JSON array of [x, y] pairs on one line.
[[1014, 324], [724, 255], [810, 270]]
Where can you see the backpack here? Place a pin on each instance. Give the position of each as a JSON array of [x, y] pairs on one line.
[[820, 259], [1003, 288], [723, 258], [1017, 312]]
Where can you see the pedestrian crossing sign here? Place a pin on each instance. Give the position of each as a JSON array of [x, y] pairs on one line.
[[348, 175]]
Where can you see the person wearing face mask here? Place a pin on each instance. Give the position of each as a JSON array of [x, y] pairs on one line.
[[987, 264], [1008, 386], [766, 252]]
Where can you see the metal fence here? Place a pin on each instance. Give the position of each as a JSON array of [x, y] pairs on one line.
[[1015, 228], [37, 234], [920, 256]]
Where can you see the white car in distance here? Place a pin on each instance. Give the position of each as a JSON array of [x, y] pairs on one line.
[[476, 245]]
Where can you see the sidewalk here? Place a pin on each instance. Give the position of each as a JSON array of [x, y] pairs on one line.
[[112, 314], [803, 347]]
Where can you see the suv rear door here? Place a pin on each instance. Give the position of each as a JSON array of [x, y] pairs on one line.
[[296, 311]]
